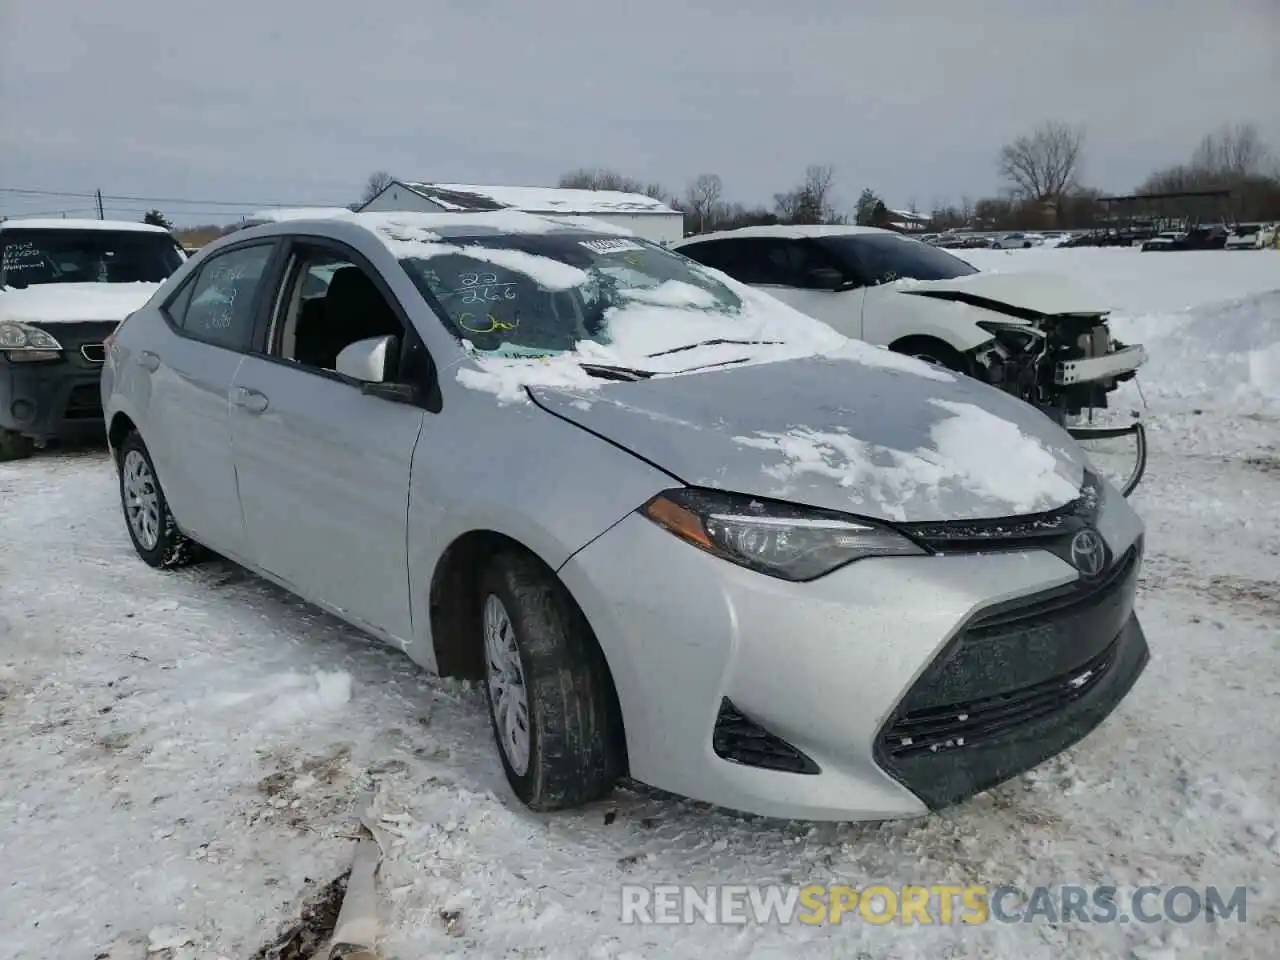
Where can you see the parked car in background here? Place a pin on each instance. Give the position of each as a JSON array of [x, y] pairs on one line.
[[676, 528], [1252, 236], [65, 285], [1203, 236], [1016, 241]]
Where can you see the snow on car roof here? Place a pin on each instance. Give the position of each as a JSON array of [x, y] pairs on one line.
[[456, 196], [58, 223], [793, 231], [279, 214]]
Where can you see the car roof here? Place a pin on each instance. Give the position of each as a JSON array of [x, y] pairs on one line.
[[398, 228], [58, 223], [790, 231]]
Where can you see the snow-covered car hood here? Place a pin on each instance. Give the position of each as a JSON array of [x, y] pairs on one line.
[[841, 435], [1045, 293], [46, 303]]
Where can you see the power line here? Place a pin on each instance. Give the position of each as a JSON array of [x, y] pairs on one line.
[[109, 197]]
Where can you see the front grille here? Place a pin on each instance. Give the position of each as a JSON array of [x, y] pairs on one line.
[[84, 402], [94, 352], [743, 741], [1021, 681], [971, 723]]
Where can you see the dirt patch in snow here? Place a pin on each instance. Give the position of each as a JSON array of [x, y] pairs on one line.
[[1262, 596], [302, 938]]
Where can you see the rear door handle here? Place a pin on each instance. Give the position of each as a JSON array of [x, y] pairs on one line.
[[250, 400], [149, 360]]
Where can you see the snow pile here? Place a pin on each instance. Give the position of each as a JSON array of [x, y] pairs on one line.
[[1209, 320], [974, 453], [73, 302], [1218, 355]]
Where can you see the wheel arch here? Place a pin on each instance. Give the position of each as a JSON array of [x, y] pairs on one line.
[[121, 426], [454, 606]]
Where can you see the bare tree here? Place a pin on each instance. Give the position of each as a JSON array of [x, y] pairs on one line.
[[819, 184], [703, 200], [588, 178], [377, 182], [1233, 151], [1045, 164], [811, 201]]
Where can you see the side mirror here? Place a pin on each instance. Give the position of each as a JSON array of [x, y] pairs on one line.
[[369, 361], [826, 278]]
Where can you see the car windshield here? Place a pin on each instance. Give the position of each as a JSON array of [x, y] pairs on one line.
[[885, 257], [86, 256], [538, 294]]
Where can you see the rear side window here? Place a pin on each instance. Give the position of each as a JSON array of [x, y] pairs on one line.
[[756, 260], [218, 306]]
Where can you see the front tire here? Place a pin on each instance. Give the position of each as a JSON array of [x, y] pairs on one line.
[[551, 701], [931, 350], [151, 526], [14, 446]]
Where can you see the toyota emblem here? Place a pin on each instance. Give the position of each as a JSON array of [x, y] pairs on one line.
[[1088, 552]]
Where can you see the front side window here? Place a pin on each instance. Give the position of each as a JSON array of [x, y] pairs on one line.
[[884, 257], [542, 294], [220, 310], [41, 256], [331, 302]]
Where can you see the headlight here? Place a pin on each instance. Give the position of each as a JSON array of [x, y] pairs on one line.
[[778, 539], [21, 341]]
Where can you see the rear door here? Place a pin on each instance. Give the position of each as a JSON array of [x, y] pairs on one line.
[[323, 467], [780, 266], [188, 369]]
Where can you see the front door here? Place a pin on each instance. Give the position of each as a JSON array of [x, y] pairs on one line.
[[324, 468]]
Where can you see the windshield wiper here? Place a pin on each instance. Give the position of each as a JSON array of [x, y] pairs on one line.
[[605, 372], [712, 343]]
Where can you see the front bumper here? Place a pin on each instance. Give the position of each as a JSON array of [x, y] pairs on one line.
[[834, 669], [55, 399], [1105, 367]]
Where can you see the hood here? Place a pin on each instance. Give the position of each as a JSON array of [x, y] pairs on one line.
[[46, 303], [835, 433], [1048, 294]]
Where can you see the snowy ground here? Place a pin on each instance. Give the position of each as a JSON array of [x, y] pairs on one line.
[[183, 755]]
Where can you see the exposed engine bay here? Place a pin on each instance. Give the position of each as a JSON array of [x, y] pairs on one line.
[[1063, 365]]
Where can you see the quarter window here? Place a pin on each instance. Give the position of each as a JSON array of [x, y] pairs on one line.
[[220, 310]]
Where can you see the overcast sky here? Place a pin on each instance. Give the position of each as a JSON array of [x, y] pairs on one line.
[[297, 101]]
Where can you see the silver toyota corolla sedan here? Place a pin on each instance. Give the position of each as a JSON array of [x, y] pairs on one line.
[[681, 531]]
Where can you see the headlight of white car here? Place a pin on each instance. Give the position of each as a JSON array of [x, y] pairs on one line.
[[23, 342], [779, 539]]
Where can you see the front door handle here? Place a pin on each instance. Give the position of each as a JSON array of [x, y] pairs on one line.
[[250, 400], [149, 360]]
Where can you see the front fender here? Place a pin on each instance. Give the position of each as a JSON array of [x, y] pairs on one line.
[[889, 315], [520, 472]]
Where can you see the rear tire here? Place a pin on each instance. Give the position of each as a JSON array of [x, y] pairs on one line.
[[551, 700], [147, 517], [15, 446]]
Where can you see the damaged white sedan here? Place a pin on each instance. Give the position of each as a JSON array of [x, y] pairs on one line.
[[1039, 336]]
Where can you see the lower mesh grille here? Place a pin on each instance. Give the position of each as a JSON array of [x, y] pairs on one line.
[[740, 740], [970, 724]]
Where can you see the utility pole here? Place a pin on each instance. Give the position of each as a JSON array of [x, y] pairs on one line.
[[101, 215]]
